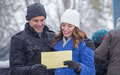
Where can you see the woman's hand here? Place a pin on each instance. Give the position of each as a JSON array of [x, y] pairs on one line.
[[73, 65]]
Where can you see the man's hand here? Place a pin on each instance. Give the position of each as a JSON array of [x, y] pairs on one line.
[[39, 69]]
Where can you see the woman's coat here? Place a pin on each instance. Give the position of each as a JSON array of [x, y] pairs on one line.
[[82, 55]]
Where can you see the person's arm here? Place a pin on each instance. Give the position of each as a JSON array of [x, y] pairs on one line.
[[87, 62], [18, 60]]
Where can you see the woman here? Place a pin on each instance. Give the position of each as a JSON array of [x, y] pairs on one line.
[[72, 38]]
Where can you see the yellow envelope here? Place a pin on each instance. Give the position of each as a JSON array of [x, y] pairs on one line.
[[55, 59]]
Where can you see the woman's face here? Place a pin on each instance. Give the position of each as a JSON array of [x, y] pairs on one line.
[[67, 29]]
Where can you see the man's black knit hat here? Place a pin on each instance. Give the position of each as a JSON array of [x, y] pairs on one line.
[[35, 10]]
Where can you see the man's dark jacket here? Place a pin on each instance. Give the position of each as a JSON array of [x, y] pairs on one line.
[[26, 47]]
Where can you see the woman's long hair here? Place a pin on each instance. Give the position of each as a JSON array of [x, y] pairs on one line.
[[78, 35]]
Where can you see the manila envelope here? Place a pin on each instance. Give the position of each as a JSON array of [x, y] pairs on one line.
[[55, 59]]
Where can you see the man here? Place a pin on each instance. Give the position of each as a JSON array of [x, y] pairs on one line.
[[27, 45], [110, 50]]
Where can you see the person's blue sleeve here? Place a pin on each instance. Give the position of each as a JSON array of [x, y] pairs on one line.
[[87, 61]]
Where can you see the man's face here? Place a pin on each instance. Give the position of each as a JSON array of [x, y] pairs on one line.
[[37, 23]]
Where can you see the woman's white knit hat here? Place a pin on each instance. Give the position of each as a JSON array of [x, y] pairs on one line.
[[71, 16]]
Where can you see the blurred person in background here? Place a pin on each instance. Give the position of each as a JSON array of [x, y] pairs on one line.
[[118, 23], [98, 37], [110, 50]]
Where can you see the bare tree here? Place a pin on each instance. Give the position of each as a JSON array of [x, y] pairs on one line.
[[67, 4], [91, 15], [6, 14]]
